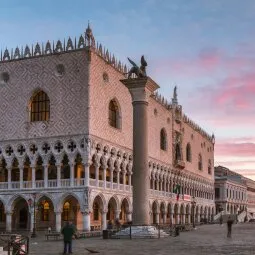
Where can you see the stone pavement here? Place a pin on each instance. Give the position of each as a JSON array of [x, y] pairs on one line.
[[207, 239]]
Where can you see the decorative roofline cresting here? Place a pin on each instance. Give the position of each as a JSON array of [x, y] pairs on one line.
[[51, 48]]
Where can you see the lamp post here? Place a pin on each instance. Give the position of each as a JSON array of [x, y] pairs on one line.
[[33, 235], [193, 202]]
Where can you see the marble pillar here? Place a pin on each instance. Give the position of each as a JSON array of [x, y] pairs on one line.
[[86, 182], [104, 222], [58, 221], [86, 221], [8, 222], [140, 90]]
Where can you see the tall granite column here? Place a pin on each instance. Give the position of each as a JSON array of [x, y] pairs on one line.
[[140, 90]]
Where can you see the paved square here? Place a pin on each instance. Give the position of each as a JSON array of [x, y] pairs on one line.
[[208, 239]]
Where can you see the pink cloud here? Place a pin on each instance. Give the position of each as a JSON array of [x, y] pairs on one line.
[[235, 149]]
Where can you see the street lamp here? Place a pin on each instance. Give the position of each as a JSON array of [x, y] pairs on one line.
[[33, 235], [193, 202]]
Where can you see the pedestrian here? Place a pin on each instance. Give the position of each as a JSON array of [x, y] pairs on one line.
[[110, 225], [229, 224], [221, 220], [68, 231]]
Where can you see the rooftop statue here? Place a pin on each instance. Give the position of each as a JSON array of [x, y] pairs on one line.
[[138, 71]]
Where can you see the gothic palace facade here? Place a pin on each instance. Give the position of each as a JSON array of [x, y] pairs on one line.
[[66, 142]]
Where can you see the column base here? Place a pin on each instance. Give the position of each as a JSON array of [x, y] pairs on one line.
[[140, 232]]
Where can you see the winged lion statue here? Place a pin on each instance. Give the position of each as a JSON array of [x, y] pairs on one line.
[[135, 69]]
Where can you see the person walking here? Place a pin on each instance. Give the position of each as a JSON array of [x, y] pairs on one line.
[[68, 231], [229, 224]]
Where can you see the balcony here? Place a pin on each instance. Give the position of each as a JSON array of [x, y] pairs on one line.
[[63, 183], [179, 164]]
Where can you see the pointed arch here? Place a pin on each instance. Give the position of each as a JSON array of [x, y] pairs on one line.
[[163, 139], [39, 106], [114, 113]]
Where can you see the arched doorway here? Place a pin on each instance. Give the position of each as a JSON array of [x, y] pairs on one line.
[[96, 216], [176, 214], [45, 217], [155, 211], [112, 209], [162, 218], [20, 216], [169, 214], [71, 212], [123, 211]]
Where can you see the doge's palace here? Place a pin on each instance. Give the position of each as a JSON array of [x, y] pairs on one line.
[[66, 143]]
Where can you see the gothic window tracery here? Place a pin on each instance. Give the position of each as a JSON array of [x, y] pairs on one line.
[[163, 139], [40, 107]]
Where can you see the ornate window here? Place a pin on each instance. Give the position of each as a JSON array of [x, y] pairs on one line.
[[45, 215], [40, 107], [188, 153], [200, 165], [209, 167], [114, 114], [163, 140], [177, 152], [66, 210]]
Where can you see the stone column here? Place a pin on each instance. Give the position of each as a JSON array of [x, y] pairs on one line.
[[129, 216], [117, 214], [97, 174], [104, 223], [118, 179], [21, 169], [9, 169], [58, 221], [164, 217], [33, 177], [129, 181], [104, 177], [8, 221], [86, 220], [31, 219], [71, 174], [111, 177], [140, 90], [86, 182], [45, 177], [58, 175]]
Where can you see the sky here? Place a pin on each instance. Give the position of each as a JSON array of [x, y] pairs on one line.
[[204, 47]]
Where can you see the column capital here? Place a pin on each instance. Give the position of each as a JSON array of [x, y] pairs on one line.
[[140, 88]]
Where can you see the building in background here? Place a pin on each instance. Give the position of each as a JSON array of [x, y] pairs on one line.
[[66, 141], [234, 194]]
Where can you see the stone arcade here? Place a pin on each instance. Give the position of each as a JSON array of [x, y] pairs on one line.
[[66, 137]]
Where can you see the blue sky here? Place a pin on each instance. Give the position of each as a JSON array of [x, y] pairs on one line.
[[205, 47]]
